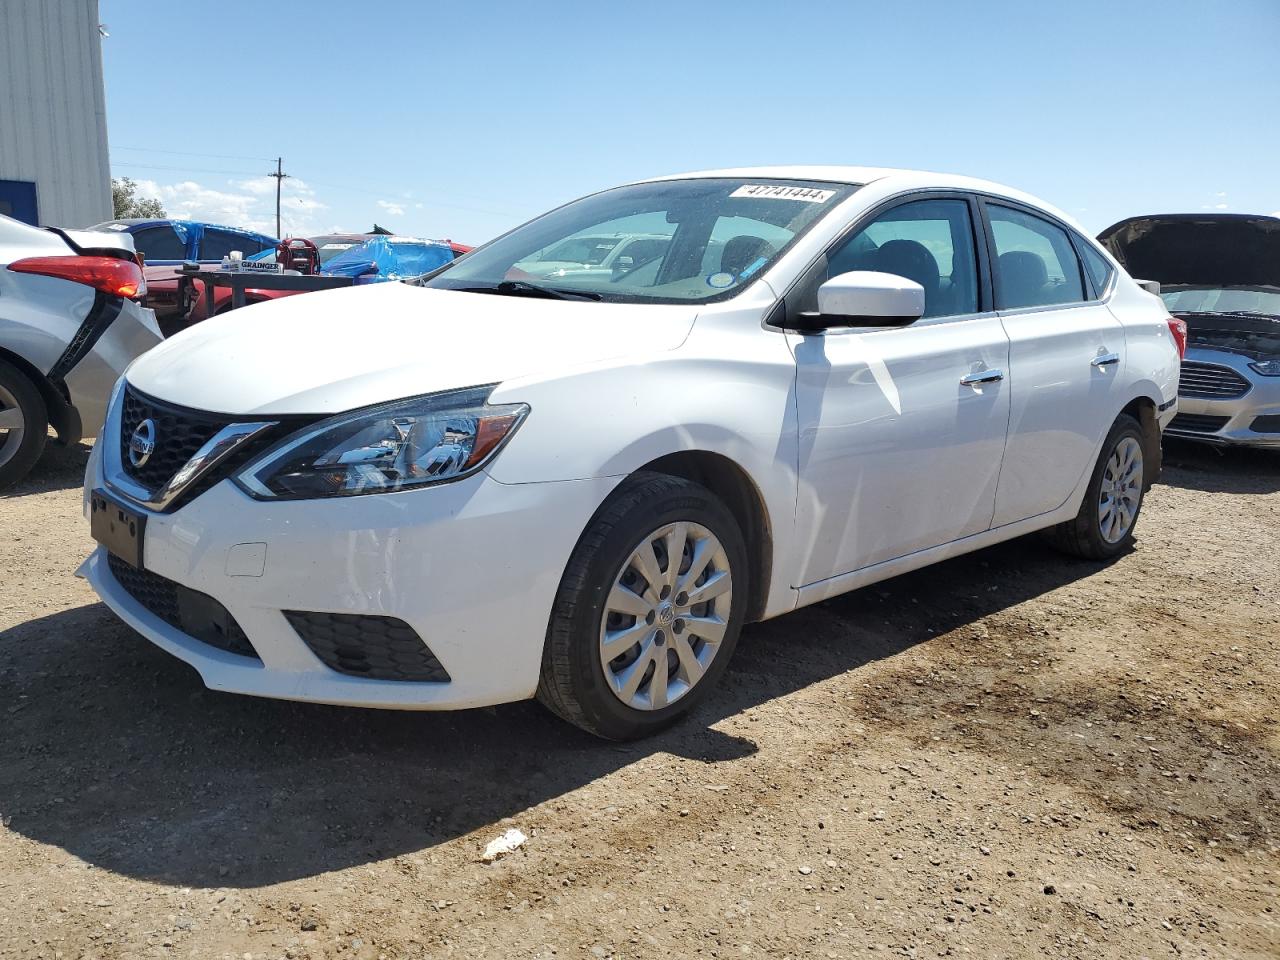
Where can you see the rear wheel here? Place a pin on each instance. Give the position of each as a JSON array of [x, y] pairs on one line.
[[648, 611], [24, 424], [1104, 526]]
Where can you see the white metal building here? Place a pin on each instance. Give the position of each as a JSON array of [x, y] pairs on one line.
[[53, 117]]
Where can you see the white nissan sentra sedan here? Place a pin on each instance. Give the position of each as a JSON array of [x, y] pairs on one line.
[[494, 485]]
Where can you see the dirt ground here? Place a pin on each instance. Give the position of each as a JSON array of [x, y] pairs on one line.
[[1009, 755]]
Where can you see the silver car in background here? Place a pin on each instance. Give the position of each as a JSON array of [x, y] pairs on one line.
[[69, 325], [1221, 274]]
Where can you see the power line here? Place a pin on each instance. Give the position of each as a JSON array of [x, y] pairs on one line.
[[186, 153], [380, 194], [156, 166]]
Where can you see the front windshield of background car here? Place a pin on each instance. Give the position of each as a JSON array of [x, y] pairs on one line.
[[674, 241], [328, 251], [1264, 300]]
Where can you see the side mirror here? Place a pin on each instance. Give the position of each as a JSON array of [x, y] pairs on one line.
[[867, 298]]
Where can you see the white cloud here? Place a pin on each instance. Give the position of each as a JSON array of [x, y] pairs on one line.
[[392, 208], [247, 204], [1219, 206], [260, 186]]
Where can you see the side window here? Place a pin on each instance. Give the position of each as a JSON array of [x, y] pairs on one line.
[[217, 244], [928, 241], [1036, 265], [1096, 265], [159, 243]]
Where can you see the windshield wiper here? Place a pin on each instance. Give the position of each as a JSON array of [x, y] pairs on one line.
[[522, 288]]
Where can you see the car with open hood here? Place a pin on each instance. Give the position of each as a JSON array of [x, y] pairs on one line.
[[1220, 273], [479, 487]]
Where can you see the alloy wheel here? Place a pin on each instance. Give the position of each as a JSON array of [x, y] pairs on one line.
[[665, 616], [1121, 492], [13, 424]]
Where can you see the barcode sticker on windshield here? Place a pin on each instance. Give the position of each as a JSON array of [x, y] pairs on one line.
[[765, 191]]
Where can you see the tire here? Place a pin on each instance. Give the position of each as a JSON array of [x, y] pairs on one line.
[[576, 682], [1095, 534], [20, 447]]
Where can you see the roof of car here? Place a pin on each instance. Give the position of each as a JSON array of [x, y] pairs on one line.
[[861, 176], [153, 221]]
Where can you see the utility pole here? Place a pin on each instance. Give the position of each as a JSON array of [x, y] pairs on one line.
[[280, 175]]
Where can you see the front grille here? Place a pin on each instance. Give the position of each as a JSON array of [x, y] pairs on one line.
[[1198, 423], [1267, 424], [361, 645], [1209, 381], [196, 614], [179, 434]]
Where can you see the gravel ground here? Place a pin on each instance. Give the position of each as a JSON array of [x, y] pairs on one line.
[[1008, 755]]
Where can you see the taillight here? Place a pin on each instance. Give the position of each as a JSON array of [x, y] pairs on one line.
[[1178, 327], [120, 278]]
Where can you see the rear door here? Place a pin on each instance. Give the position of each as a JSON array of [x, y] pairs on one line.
[[1066, 357]]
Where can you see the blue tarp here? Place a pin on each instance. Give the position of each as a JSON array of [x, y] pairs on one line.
[[394, 259]]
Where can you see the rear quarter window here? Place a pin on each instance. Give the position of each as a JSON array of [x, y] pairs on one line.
[[217, 244], [1095, 265], [159, 243]]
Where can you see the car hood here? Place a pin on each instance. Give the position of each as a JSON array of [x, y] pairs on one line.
[[340, 349], [1212, 250]]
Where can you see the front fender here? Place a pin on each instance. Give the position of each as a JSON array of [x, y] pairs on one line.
[[728, 395]]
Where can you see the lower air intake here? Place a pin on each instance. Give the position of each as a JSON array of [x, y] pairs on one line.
[[196, 614], [1267, 424], [362, 645], [1198, 423]]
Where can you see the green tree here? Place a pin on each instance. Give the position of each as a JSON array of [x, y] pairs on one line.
[[127, 203]]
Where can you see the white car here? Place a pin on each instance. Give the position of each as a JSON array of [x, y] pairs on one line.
[[482, 489], [69, 325]]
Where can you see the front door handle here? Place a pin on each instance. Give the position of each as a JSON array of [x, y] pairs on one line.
[[980, 377], [1104, 360]]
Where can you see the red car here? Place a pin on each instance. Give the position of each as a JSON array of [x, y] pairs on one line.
[[165, 290]]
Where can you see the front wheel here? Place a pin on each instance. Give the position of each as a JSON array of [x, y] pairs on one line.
[[1104, 527], [648, 611]]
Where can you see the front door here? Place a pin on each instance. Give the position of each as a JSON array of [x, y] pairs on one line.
[[1066, 358], [902, 431]]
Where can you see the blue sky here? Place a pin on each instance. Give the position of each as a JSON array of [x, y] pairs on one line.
[[461, 120]]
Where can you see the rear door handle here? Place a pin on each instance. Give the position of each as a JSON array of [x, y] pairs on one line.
[[981, 377], [1104, 360]]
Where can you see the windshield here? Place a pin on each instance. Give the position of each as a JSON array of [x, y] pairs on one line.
[[1189, 299], [330, 250], [670, 242]]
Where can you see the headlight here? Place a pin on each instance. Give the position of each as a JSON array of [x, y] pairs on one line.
[[1268, 368], [394, 446]]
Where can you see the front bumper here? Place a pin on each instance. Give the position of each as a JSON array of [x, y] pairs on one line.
[[472, 567], [1235, 421]]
